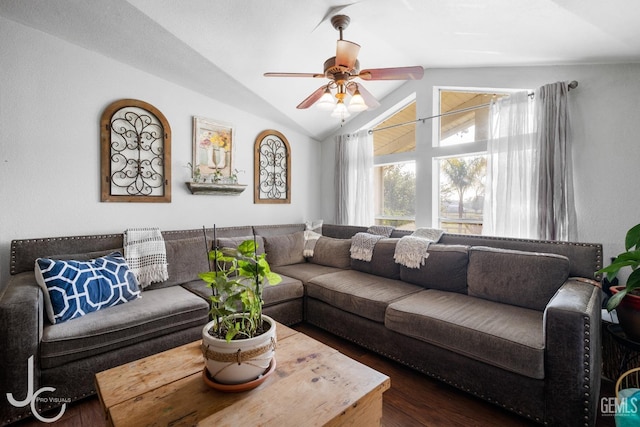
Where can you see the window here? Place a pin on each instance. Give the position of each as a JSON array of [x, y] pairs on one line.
[[395, 169], [390, 138], [460, 164], [395, 199]]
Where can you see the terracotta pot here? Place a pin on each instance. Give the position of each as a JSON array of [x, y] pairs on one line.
[[629, 314], [241, 360]]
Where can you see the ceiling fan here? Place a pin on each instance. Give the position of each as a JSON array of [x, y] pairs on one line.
[[341, 70]]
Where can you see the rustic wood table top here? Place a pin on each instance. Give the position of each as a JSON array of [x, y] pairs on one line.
[[313, 385]]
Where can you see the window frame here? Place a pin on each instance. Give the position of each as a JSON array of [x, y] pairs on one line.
[[392, 159]]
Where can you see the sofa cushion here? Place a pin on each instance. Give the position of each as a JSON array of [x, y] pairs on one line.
[[525, 279], [285, 249], [332, 252], [498, 334], [288, 289], [305, 271], [186, 258], [382, 262], [359, 293], [445, 268], [74, 288], [234, 242], [158, 312]]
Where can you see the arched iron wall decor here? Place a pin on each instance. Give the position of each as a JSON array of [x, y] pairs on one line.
[[135, 145], [272, 168]]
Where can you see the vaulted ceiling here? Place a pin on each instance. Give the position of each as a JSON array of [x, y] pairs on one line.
[[221, 48]]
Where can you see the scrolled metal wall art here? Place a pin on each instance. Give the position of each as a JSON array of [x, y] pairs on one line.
[[272, 168], [135, 153]]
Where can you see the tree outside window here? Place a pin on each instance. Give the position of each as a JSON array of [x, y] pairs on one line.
[[462, 193]]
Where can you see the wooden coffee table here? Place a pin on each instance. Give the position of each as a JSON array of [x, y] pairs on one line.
[[313, 385]]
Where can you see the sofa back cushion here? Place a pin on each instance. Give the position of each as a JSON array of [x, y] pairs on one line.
[[234, 242], [382, 263], [284, 249], [444, 269], [332, 252], [185, 258], [525, 279]]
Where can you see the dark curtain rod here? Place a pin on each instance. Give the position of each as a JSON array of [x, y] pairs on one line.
[[572, 85]]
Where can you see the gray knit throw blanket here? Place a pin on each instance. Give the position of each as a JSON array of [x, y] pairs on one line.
[[362, 243], [146, 255]]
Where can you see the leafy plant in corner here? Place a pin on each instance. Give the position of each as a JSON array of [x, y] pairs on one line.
[[629, 258], [237, 282]]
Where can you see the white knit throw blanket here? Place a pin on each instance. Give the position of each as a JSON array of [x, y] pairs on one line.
[[310, 240], [412, 251], [146, 255], [362, 243]]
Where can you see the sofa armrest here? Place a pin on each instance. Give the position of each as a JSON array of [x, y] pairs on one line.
[[573, 354], [21, 317]]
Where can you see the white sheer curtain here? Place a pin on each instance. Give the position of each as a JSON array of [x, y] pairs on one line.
[[354, 179], [529, 185], [509, 204], [556, 207]]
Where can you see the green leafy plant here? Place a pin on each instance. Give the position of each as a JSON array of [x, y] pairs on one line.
[[237, 282], [629, 258]]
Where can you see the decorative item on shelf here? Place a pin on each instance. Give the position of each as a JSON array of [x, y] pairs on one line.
[[212, 149], [239, 343], [135, 152], [626, 299], [272, 168], [214, 184], [211, 170]]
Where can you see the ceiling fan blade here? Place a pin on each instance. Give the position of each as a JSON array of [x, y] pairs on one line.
[[346, 54], [369, 99], [399, 73], [315, 75], [311, 99]]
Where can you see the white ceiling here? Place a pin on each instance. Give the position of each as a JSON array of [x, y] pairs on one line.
[[221, 48]]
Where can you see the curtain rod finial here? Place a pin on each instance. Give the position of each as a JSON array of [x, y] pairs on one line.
[[573, 84]]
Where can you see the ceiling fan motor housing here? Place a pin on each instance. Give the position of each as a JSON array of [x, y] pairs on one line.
[[331, 68]]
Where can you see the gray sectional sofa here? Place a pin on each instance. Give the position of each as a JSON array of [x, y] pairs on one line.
[[515, 322]]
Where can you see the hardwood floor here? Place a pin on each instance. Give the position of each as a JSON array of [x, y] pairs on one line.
[[413, 399]]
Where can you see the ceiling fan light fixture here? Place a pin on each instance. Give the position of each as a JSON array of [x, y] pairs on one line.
[[326, 102], [340, 112], [357, 103]]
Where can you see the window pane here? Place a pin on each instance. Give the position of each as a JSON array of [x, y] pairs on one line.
[[462, 193], [398, 139], [467, 126], [396, 195]]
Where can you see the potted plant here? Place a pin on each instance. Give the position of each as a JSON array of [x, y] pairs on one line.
[[626, 299], [239, 343]]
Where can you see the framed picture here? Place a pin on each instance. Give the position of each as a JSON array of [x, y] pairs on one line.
[[212, 150]]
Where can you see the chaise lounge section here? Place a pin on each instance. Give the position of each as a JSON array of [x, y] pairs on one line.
[[515, 322]]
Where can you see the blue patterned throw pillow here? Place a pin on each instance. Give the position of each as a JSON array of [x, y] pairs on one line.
[[75, 288]]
